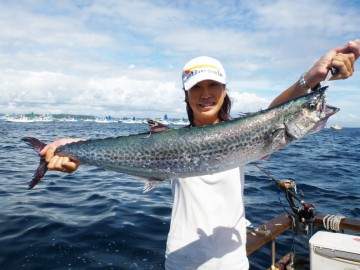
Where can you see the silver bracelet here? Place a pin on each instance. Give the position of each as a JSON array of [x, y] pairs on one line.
[[302, 82]]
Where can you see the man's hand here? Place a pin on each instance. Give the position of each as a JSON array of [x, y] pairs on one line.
[[59, 163]]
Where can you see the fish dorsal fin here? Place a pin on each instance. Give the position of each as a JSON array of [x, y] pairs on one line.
[[156, 126]]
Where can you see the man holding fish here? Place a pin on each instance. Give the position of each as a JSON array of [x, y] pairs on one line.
[[208, 229]]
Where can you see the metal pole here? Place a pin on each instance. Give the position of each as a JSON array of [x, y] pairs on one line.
[[273, 252]]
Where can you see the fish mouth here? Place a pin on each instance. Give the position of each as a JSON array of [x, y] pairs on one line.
[[329, 111]]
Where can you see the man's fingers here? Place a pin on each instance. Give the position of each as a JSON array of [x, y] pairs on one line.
[[49, 153], [58, 163], [354, 47], [345, 64], [69, 166]]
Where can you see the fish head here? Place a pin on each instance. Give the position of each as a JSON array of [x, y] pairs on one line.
[[308, 114]]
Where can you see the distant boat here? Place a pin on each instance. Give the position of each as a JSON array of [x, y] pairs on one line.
[[105, 120], [67, 119], [20, 119], [181, 122], [29, 118], [336, 127], [102, 121], [44, 118], [127, 120]]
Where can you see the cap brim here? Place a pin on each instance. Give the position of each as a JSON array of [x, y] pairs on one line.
[[202, 77]]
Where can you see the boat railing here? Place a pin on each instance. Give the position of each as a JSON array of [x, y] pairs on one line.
[[268, 232]]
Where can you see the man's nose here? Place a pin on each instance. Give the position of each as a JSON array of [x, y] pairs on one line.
[[205, 92]]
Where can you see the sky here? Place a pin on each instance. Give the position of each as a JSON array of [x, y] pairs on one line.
[[124, 58]]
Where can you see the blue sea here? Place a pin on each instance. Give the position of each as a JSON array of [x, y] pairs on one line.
[[97, 219]]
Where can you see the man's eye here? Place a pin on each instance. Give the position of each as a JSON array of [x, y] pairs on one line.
[[194, 88]]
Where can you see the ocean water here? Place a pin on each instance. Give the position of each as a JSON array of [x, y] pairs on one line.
[[97, 219]]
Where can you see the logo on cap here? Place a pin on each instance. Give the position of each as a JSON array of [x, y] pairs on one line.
[[188, 73], [202, 68], [198, 67]]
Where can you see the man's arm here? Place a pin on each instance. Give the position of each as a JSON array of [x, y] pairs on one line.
[[341, 58]]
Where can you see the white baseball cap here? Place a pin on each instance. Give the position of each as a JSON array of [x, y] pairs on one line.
[[202, 68]]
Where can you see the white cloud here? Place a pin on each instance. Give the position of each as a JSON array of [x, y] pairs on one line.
[[248, 102], [104, 57], [51, 91]]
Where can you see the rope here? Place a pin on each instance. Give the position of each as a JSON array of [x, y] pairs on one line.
[[332, 222]]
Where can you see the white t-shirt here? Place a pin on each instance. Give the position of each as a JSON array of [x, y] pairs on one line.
[[207, 229]]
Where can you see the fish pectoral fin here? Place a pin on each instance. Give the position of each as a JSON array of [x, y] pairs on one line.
[[150, 184]]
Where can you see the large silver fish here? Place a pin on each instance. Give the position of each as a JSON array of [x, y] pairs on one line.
[[166, 153]]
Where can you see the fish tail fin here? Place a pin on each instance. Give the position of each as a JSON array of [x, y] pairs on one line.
[[42, 169]]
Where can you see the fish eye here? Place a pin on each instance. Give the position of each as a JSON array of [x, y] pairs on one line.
[[312, 106]]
